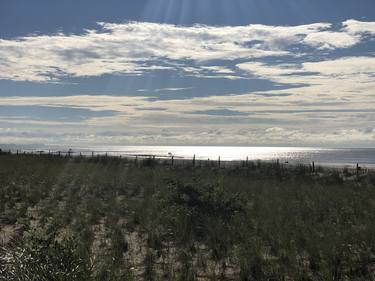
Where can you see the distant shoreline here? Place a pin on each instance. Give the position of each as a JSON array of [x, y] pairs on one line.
[[186, 161]]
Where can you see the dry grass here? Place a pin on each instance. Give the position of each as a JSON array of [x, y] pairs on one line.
[[117, 220]]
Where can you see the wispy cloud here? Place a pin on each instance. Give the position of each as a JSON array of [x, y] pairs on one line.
[[172, 136], [347, 77], [136, 47], [51, 113], [219, 112], [238, 119], [310, 71], [165, 89]]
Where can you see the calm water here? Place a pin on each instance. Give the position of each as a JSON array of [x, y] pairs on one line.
[[322, 156]]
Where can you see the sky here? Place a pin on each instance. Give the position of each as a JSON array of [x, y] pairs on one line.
[[188, 72]]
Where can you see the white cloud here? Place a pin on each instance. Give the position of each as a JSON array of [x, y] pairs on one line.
[[302, 118], [351, 34], [172, 136], [343, 67], [136, 47], [218, 69], [271, 72], [165, 89], [344, 87], [331, 40], [172, 89], [358, 69], [354, 26]]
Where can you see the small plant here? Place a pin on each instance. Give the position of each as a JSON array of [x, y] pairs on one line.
[[43, 259]]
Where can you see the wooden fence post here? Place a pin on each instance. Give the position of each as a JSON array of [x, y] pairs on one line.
[[313, 167], [172, 160], [219, 162], [194, 161]]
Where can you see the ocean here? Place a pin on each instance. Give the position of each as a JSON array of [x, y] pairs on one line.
[[339, 157], [303, 155]]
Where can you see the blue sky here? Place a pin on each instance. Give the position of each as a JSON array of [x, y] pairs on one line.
[[239, 72]]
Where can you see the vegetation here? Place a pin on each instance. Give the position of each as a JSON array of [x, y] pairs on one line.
[[107, 218]]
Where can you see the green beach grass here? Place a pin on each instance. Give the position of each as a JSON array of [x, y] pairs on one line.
[[107, 218]]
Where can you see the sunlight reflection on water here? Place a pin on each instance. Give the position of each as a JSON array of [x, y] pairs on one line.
[[226, 153]]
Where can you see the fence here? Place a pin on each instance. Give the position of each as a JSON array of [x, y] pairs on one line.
[[174, 160]]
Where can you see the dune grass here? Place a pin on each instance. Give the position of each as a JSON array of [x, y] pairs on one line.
[[114, 219]]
